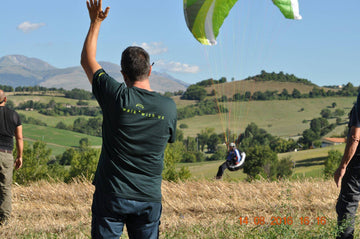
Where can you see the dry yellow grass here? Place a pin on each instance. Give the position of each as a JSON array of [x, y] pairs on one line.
[[59, 210]]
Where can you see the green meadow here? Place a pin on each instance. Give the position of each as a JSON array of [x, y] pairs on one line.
[[57, 139], [307, 163], [283, 118]]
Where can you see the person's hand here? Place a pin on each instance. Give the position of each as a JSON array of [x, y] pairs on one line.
[[338, 175], [18, 162], [95, 10]]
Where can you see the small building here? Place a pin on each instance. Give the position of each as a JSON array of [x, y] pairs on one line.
[[332, 141]]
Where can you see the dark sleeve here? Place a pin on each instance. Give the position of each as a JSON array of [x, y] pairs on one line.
[[355, 120], [104, 87], [17, 119], [172, 132], [173, 124]]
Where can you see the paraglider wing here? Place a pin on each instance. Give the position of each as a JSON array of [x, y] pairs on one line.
[[205, 17], [289, 8]]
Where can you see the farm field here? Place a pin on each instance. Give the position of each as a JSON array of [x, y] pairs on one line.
[[308, 164], [193, 209], [200, 207], [18, 98], [282, 118], [57, 139]]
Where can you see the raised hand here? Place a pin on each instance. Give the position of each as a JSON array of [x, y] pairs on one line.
[[95, 10]]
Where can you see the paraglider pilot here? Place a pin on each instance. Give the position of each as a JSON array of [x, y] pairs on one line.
[[234, 161]]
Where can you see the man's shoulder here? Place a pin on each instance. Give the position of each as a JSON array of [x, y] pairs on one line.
[[10, 110], [101, 75], [168, 103], [168, 100]]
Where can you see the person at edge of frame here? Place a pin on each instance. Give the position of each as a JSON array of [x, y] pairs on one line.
[[347, 176], [10, 126]]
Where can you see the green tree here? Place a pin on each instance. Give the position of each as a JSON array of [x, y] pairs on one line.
[[339, 112], [285, 168], [61, 125], [189, 157], [254, 135], [284, 94], [183, 126], [35, 162], [10, 104], [173, 153], [191, 144], [332, 162], [220, 153], [325, 113], [67, 156], [213, 142], [261, 161], [194, 92], [308, 136], [84, 163], [179, 135], [203, 137], [296, 93]]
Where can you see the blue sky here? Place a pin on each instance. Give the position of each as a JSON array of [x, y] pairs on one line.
[[324, 47]]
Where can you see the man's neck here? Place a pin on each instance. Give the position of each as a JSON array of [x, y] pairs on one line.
[[144, 84]]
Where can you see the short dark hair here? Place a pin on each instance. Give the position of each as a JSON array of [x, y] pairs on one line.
[[135, 63]]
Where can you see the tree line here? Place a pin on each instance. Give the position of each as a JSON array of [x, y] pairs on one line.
[[199, 93], [76, 93]]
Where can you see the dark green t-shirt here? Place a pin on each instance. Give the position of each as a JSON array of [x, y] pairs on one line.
[[137, 125]]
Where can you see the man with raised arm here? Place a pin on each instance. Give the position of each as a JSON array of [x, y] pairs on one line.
[[10, 126], [137, 125], [348, 174]]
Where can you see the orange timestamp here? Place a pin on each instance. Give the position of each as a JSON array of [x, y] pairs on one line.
[[277, 220]]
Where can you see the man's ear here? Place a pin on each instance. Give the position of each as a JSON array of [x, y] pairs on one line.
[[126, 80], [5, 99], [150, 71], [124, 76]]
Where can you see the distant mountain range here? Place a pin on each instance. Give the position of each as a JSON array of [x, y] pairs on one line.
[[18, 70]]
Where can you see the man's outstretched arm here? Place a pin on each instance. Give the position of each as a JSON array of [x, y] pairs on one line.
[[88, 55], [350, 150]]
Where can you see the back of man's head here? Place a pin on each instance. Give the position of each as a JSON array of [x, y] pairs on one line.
[[135, 63]]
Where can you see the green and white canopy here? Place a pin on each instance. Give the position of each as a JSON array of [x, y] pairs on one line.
[[205, 17]]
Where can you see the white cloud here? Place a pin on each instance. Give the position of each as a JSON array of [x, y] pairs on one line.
[[153, 48], [28, 26], [176, 67]]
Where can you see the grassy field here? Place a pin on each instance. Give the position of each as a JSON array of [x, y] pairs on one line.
[[278, 117], [308, 163], [17, 99], [194, 209], [57, 139], [301, 207], [52, 121]]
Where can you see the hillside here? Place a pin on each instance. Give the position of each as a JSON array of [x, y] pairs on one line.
[[252, 85], [18, 70], [282, 118]]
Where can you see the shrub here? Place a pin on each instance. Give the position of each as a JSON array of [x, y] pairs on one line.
[[183, 126], [332, 162]]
